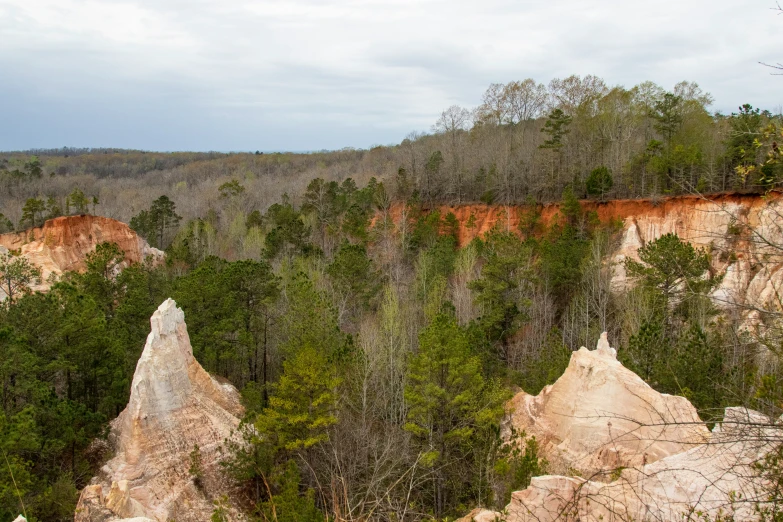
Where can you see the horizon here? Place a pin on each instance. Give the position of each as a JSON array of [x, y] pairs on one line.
[[302, 76]]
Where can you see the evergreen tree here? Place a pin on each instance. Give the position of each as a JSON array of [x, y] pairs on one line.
[[287, 505], [599, 182], [450, 408], [32, 211], [303, 406], [672, 267], [556, 127], [152, 224], [500, 292], [77, 202], [17, 276]]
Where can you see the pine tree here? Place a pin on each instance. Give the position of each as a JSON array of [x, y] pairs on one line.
[[450, 407], [303, 407]]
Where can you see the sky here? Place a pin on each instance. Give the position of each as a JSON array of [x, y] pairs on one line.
[[298, 75]]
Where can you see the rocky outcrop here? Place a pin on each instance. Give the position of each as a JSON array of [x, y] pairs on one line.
[[599, 416], [632, 453], [481, 515], [712, 478], [175, 405], [63, 243], [742, 232]]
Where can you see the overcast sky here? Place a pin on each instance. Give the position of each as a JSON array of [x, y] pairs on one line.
[[309, 75]]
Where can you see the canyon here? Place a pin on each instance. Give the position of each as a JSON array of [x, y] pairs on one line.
[[62, 245], [616, 449]]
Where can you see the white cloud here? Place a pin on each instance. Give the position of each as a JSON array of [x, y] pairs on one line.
[[307, 74]]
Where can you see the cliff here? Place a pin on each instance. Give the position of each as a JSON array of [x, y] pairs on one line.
[[175, 405], [63, 243], [632, 453], [743, 233]]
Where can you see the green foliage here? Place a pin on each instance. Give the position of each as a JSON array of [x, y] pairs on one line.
[[231, 189], [556, 127], [303, 406], [500, 291], [672, 267], [288, 235], [354, 275], [32, 212], [310, 320], [695, 371], [451, 407], [5, 224], [53, 209], [153, 224], [220, 513], [254, 219], [34, 168], [599, 182], [646, 350], [229, 310], [517, 461], [17, 275], [196, 468], [77, 202], [547, 364], [667, 115], [66, 358], [287, 505]]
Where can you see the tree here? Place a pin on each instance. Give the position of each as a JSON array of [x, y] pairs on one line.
[[303, 406], [231, 189], [288, 234], [452, 120], [152, 224], [17, 275], [230, 314], [77, 202], [287, 505], [354, 275], [34, 169], [526, 100], [556, 127], [32, 210], [672, 267], [500, 291], [599, 182], [163, 215], [450, 407], [6, 225]]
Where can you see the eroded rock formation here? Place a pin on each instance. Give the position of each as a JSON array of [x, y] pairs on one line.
[[711, 478], [599, 416], [635, 454], [174, 406], [744, 234], [63, 243]]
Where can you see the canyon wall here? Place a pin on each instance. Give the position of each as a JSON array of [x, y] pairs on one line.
[[742, 232], [175, 407], [63, 243]]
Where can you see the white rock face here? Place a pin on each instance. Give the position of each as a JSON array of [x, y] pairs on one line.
[[599, 416], [743, 234], [698, 480], [174, 405], [639, 455]]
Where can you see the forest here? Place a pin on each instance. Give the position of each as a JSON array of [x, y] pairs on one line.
[[297, 282]]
